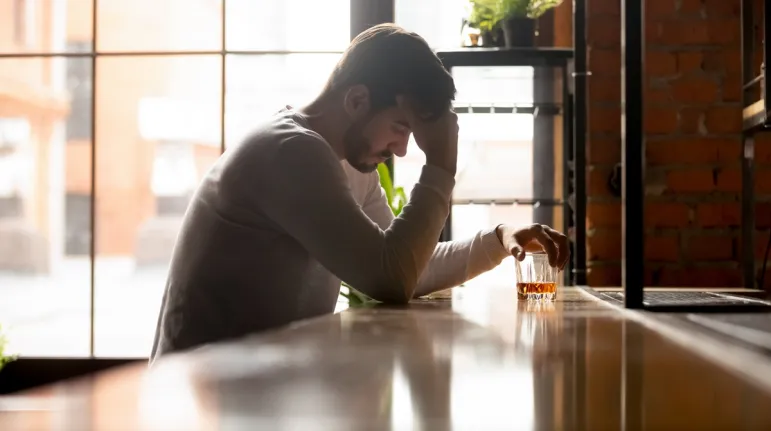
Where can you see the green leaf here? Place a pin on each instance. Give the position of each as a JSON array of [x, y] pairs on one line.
[[385, 182], [4, 359], [486, 14]]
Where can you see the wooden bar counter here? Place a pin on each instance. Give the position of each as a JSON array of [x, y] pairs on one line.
[[481, 361]]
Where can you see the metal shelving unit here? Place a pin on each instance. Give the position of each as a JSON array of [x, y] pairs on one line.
[[365, 13], [633, 179], [573, 144]]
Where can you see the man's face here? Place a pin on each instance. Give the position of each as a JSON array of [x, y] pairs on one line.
[[375, 138]]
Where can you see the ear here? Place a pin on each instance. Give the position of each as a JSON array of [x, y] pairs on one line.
[[356, 101]]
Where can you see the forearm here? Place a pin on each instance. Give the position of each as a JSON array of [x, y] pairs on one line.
[[456, 262], [409, 244], [319, 211]]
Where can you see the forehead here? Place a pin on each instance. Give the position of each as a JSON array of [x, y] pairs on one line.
[[393, 114]]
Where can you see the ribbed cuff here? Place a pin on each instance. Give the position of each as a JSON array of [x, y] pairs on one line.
[[438, 180], [493, 246]]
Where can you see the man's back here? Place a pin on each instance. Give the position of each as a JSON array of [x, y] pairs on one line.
[[234, 270]]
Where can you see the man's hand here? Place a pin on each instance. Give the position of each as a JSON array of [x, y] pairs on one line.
[[535, 238], [438, 139]]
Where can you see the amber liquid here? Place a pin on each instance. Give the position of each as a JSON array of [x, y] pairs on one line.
[[526, 289]]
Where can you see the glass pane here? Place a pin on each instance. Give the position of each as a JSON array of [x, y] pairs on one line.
[[467, 220], [438, 21], [45, 26], [494, 158], [158, 131], [152, 25], [494, 86], [45, 205], [288, 25], [260, 85]]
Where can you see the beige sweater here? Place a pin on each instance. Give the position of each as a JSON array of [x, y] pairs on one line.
[[279, 221]]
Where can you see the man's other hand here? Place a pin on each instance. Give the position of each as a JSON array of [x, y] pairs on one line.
[[535, 238]]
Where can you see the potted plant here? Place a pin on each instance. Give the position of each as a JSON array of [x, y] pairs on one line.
[[4, 357], [396, 198], [482, 16], [515, 19]]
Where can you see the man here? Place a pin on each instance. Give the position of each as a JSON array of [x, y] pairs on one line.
[[297, 206]]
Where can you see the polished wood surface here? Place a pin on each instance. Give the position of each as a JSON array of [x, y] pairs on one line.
[[480, 361]]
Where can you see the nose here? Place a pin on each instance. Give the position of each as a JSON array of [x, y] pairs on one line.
[[399, 148]]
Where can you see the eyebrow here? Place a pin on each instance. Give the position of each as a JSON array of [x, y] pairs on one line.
[[404, 124]]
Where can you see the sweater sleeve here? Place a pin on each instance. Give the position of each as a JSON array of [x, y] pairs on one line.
[[453, 262], [305, 191]]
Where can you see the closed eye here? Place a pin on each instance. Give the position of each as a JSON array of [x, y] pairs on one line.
[[401, 129]]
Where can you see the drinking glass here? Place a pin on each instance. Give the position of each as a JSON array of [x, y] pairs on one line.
[[536, 279]]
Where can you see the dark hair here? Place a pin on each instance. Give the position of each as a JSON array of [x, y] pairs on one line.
[[391, 61]]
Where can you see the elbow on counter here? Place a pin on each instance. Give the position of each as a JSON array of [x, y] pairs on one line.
[[394, 281], [396, 292]]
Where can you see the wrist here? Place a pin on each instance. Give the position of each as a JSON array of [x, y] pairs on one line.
[[448, 166], [499, 232]]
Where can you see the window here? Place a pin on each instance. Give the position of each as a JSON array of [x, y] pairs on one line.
[[286, 81], [158, 128], [25, 19], [79, 87], [77, 221], [14, 136], [45, 287], [438, 21], [19, 21]]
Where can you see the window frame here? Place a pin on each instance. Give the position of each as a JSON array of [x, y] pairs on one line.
[[25, 20], [363, 14]]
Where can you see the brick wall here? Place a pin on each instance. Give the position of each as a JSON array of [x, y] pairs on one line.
[[693, 145]]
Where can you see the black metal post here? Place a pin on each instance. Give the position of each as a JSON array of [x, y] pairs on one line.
[[368, 13], [568, 175], [748, 210], [766, 56], [747, 156], [632, 151], [580, 75], [543, 145]]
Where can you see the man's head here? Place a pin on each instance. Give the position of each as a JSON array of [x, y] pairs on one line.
[[380, 64]]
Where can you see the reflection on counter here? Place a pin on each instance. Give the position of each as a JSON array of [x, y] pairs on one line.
[[481, 361]]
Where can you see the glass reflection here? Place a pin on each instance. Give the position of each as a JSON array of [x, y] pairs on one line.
[[288, 25], [149, 25], [43, 26], [260, 85], [45, 205], [158, 132]]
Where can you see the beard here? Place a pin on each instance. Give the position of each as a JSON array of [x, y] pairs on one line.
[[358, 149]]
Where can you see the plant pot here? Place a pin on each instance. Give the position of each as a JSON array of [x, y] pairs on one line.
[[493, 38], [519, 32]]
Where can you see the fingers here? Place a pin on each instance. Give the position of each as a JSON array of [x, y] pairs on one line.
[[518, 253], [411, 111], [541, 236], [563, 246]]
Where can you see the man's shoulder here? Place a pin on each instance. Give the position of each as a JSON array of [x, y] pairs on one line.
[[284, 127], [284, 138]]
